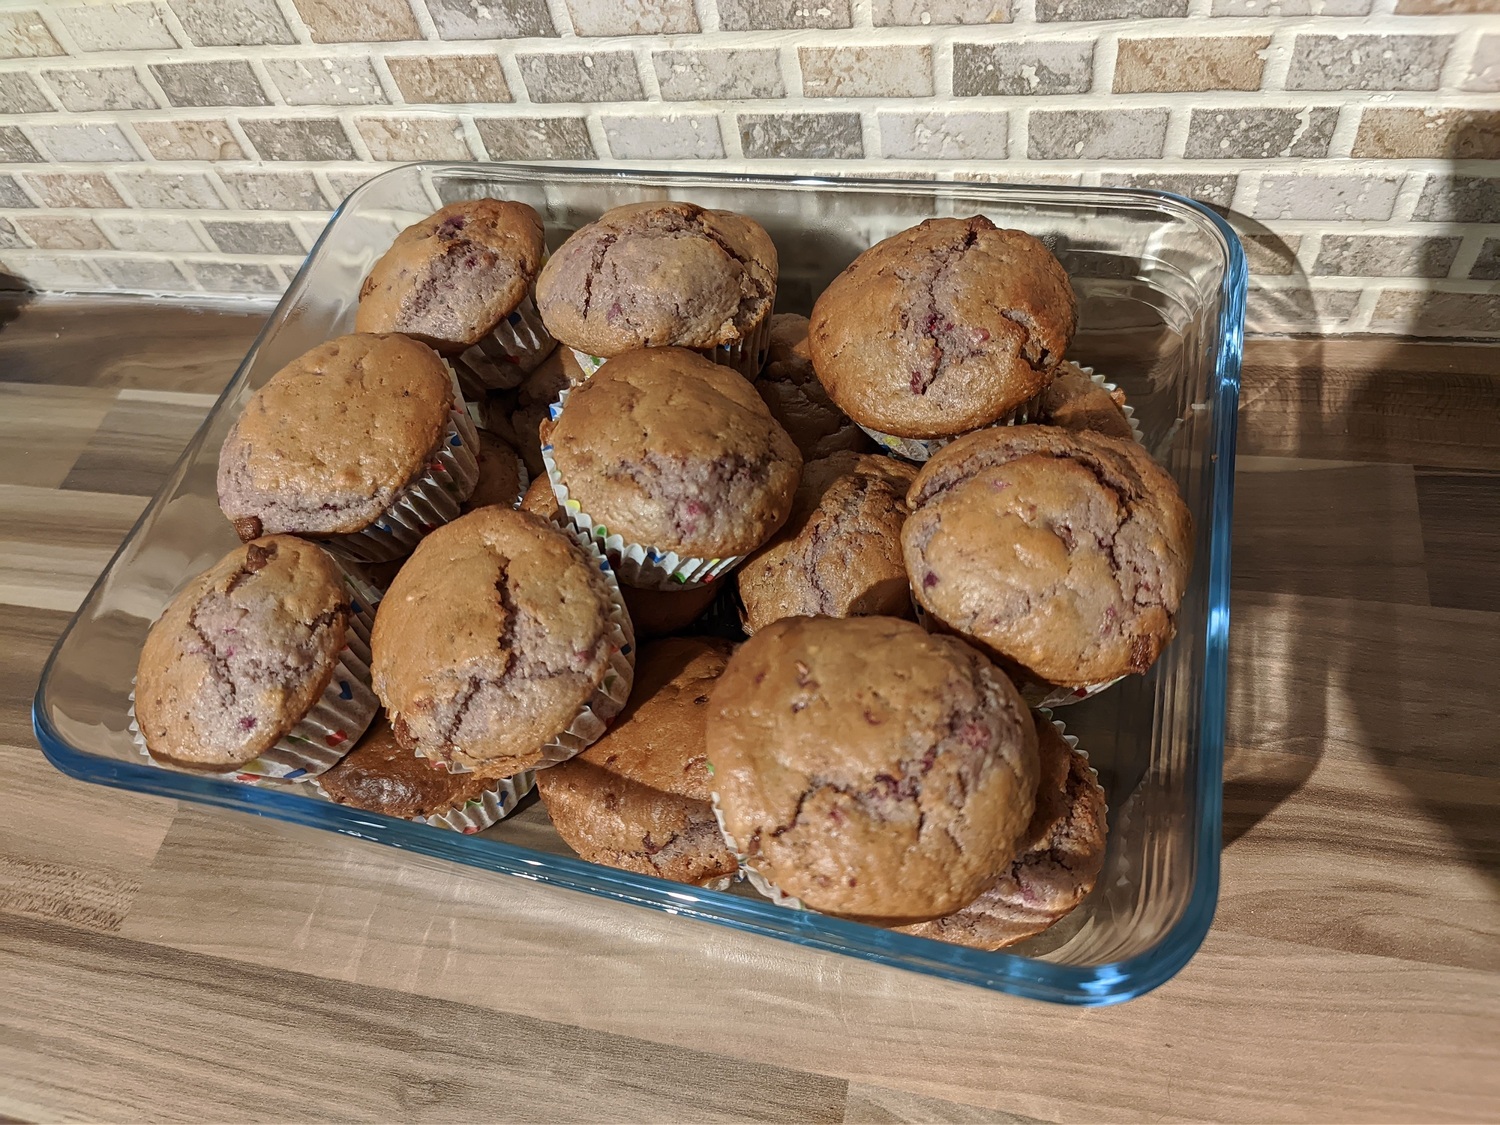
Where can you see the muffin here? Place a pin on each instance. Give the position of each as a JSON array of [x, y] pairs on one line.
[[674, 464], [1058, 864], [380, 775], [540, 500], [540, 390], [943, 328], [1076, 400], [1064, 554], [500, 645], [662, 274], [502, 476], [870, 769], [259, 665], [791, 390], [361, 442], [461, 281], [655, 613], [639, 798], [839, 554]]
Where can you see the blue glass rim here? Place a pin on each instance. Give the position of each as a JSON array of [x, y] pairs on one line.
[[1011, 973]]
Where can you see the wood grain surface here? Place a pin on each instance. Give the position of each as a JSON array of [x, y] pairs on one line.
[[160, 961]]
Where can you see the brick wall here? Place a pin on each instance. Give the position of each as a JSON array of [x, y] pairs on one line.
[[197, 145]]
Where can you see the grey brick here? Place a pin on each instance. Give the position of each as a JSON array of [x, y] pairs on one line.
[[981, 69], [921, 13], [23, 35], [19, 94], [512, 19], [236, 277], [866, 72], [146, 275], [1367, 62], [536, 138], [1422, 313], [74, 189], [687, 76], [157, 234], [1295, 308], [1290, 8], [238, 237], [189, 140], [63, 232], [1215, 190], [1373, 255], [11, 194], [337, 81], [1486, 267], [926, 135], [1271, 255], [785, 136], [1077, 10], [49, 272], [299, 138], [16, 149], [1302, 196], [1458, 199], [233, 23], [90, 144], [276, 191], [224, 82], [10, 238], [116, 27], [770, 15], [410, 197], [1259, 134], [100, 88], [172, 191], [633, 17], [681, 136], [583, 76], [1092, 134], [1484, 70]]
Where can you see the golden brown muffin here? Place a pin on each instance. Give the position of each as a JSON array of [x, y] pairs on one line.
[[540, 500], [1073, 401], [500, 474], [241, 654], [490, 640], [639, 797], [380, 775], [1065, 554], [942, 328], [1058, 864], [655, 613], [790, 388], [673, 452], [869, 768], [840, 552]]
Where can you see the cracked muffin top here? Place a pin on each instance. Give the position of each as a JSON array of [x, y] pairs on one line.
[[839, 554], [451, 278], [942, 328], [789, 386], [639, 797], [869, 768], [1075, 402], [1059, 862], [1065, 554], [327, 444], [490, 640], [672, 451], [651, 275], [382, 776], [241, 654]]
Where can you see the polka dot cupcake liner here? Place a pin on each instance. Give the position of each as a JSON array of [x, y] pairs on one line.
[[334, 723], [503, 359], [747, 355], [490, 807]]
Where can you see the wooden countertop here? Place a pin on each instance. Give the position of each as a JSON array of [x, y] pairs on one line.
[[169, 961]]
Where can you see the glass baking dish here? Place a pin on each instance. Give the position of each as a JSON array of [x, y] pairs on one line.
[[1161, 287]]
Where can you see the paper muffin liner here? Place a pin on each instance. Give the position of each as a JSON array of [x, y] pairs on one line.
[[426, 502], [335, 721], [747, 355], [513, 349], [1127, 410], [922, 449], [607, 699], [493, 805], [636, 564]]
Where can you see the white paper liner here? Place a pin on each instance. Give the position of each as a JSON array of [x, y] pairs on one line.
[[607, 700], [747, 355], [636, 564], [493, 805], [335, 722], [513, 349], [922, 449]]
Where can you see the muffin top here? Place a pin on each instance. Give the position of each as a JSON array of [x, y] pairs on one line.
[[382, 776], [791, 390], [490, 639], [1059, 860], [328, 442], [839, 554], [451, 278], [672, 451], [241, 654], [869, 768], [650, 275], [500, 471], [1074, 401], [1064, 553], [942, 328]]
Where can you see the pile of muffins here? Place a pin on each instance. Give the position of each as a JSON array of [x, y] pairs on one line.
[[741, 594]]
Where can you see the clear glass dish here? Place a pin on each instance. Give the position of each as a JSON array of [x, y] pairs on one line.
[[1161, 286]]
